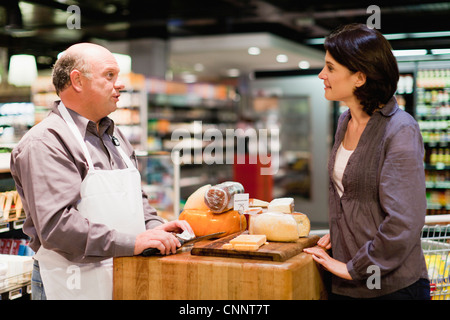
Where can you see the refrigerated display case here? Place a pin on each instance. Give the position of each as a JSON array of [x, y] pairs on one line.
[[288, 118], [432, 110]]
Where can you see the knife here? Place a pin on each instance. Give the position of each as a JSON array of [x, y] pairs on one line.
[[153, 251]]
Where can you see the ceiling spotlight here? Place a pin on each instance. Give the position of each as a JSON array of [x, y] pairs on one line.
[[413, 52], [303, 64], [440, 51], [22, 70], [282, 58], [254, 51], [233, 72]]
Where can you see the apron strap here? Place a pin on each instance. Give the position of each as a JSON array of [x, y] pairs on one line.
[[73, 127], [125, 158]]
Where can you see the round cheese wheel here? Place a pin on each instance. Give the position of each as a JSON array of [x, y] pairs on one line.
[[277, 226], [205, 222]]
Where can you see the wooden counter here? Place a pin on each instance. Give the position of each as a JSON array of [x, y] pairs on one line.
[[188, 277]]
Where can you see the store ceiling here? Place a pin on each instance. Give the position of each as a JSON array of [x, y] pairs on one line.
[[40, 27]]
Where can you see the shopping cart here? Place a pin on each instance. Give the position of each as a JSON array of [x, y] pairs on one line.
[[436, 248]]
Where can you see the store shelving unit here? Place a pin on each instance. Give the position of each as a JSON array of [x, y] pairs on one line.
[[15, 282], [16, 117], [131, 110], [433, 116], [193, 108]]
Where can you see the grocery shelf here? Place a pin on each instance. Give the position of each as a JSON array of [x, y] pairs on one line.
[[10, 225], [15, 287], [440, 218]]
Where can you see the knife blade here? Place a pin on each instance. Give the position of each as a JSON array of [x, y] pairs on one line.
[[153, 251]]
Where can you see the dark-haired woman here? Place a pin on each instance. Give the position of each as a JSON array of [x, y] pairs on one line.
[[377, 184]]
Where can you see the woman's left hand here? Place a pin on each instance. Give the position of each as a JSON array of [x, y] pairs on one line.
[[334, 266]]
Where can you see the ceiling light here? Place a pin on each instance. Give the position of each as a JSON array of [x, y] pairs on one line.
[[22, 70], [304, 64], [395, 36], [124, 62], [433, 34], [440, 51], [414, 52], [254, 51], [315, 41], [233, 72], [282, 58]]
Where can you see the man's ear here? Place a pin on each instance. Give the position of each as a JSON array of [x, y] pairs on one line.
[[360, 79], [75, 80]]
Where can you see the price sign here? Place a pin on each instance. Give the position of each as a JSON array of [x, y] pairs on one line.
[[241, 202]]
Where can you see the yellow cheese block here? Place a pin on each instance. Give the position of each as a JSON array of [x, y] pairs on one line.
[[285, 205], [257, 203], [246, 242], [253, 239], [245, 247]]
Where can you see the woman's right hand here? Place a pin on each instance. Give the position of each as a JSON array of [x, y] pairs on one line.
[[325, 242]]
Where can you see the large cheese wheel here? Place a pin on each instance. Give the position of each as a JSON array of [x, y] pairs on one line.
[[205, 222], [278, 226], [197, 199]]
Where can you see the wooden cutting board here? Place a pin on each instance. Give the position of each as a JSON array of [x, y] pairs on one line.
[[273, 251]]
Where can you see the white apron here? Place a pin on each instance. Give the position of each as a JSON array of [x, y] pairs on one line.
[[110, 197]]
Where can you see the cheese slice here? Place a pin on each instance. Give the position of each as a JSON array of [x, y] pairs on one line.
[[227, 246], [245, 247], [285, 205], [254, 239], [258, 203], [246, 242]]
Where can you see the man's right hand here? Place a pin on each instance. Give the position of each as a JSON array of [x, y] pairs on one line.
[[162, 240]]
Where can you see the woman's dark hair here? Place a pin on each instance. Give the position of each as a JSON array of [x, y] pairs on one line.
[[360, 48]]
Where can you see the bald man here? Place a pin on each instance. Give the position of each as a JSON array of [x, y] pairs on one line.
[[76, 174]]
